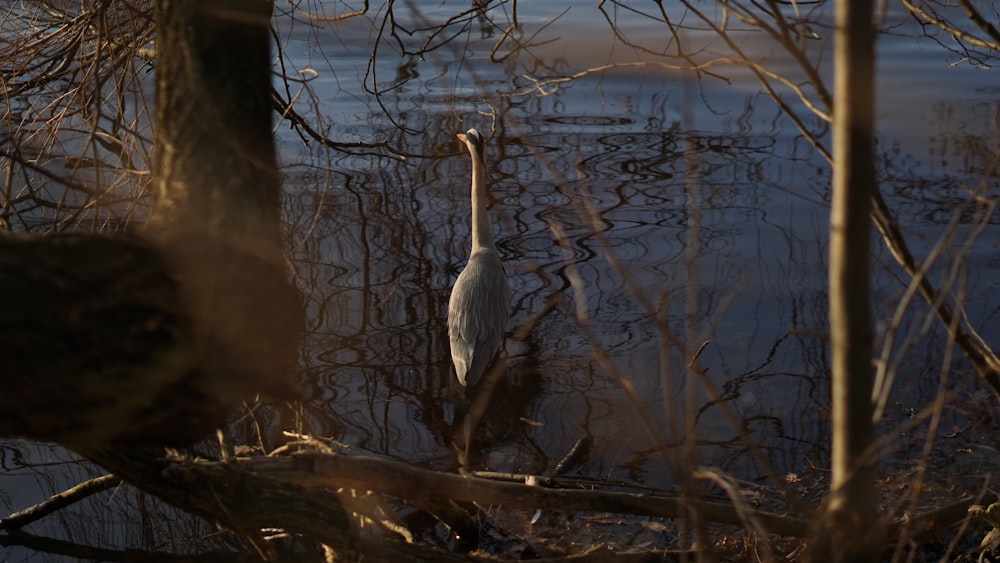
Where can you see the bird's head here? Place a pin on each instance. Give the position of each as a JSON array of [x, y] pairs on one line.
[[474, 140]]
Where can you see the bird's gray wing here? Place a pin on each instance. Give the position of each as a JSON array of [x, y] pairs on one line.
[[477, 316]]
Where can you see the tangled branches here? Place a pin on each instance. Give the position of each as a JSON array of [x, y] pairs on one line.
[[76, 143]]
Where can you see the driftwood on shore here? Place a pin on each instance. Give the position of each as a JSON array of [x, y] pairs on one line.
[[314, 495]]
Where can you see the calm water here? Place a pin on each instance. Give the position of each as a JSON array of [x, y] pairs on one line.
[[693, 202], [746, 239]]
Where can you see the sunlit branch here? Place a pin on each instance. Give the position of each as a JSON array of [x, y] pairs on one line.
[[954, 31], [408, 482], [63, 180], [817, 111], [314, 17], [59, 501], [981, 23], [783, 36], [548, 86]]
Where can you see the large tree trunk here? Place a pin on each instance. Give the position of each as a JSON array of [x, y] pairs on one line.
[[217, 190], [848, 526], [157, 338], [215, 168]]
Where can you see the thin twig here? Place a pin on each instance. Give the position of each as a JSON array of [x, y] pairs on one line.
[[59, 501]]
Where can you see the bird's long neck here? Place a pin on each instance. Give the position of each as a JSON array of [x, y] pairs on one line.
[[482, 235]]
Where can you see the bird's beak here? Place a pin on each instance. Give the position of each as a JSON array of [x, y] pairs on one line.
[[461, 137]]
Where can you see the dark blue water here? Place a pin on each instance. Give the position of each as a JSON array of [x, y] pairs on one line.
[[729, 247]]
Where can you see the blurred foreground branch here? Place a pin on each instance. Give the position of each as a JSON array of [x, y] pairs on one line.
[[966, 337], [155, 337]]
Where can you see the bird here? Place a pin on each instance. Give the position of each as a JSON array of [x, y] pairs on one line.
[[479, 306]]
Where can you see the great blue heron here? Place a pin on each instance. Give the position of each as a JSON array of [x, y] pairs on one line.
[[480, 300]]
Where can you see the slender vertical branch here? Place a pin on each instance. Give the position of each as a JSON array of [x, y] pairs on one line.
[[852, 509]]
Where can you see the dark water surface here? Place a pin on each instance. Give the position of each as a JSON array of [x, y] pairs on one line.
[[690, 211], [734, 255]]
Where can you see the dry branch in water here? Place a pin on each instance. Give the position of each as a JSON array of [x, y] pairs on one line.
[[333, 471], [58, 501]]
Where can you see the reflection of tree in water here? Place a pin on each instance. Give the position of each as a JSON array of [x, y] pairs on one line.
[[383, 259], [950, 183]]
